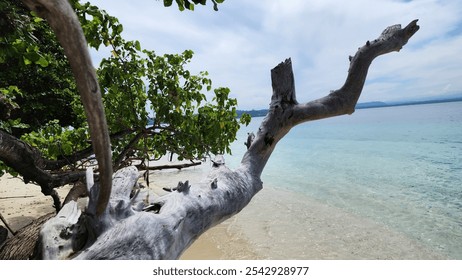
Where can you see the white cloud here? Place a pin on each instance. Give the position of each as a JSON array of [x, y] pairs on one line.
[[241, 43]]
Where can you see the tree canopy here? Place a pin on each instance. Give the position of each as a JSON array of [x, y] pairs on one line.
[[153, 103]]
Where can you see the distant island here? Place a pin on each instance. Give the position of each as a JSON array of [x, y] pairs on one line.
[[378, 104], [367, 105], [253, 113]]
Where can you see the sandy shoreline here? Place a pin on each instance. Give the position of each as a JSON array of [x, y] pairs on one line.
[[275, 225]]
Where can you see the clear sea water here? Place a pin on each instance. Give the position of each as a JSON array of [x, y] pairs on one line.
[[398, 166]]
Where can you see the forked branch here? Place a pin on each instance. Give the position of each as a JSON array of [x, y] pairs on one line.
[[285, 112]]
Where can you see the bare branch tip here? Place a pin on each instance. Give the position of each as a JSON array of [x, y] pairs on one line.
[[285, 63], [412, 27]]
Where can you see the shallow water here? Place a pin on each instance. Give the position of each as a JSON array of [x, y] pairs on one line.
[[397, 166], [280, 224]]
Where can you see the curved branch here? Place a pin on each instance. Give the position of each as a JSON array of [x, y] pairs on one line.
[[343, 100], [129, 147], [68, 159], [286, 113], [62, 19]]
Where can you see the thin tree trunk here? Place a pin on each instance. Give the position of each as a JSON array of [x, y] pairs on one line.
[[65, 24]]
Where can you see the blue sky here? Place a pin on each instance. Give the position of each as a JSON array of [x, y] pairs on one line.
[[245, 39]]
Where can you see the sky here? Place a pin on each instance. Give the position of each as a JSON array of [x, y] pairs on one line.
[[245, 39]]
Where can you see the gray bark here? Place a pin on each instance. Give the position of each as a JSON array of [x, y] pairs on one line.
[[126, 228]]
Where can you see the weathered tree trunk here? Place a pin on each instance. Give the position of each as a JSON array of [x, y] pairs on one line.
[[23, 245], [115, 226]]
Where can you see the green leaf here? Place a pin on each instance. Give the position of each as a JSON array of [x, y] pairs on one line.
[[42, 62], [119, 28], [137, 45], [38, 19], [168, 3], [181, 4], [26, 61]]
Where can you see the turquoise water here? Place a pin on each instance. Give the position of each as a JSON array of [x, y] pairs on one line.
[[398, 166]]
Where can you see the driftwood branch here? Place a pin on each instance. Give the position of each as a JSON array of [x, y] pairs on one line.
[[343, 100], [180, 218], [284, 111], [130, 229], [65, 24]]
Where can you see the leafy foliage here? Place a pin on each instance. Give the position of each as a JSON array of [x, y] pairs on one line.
[[154, 104], [186, 4], [55, 140], [34, 74]]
